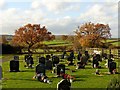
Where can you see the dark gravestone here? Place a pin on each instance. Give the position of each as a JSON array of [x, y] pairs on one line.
[[64, 84], [72, 54], [109, 61], [48, 65], [98, 57], [0, 72], [84, 59], [112, 66], [40, 68], [55, 60], [70, 59], [87, 56], [26, 60], [62, 56], [79, 56], [48, 62], [16, 58], [80, 65], [95, 61], [14, 66], [26, 56], [47, 57], [60, 69], [30, 61], [42, 60]]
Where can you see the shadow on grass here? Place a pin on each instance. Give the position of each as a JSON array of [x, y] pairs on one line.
[[79, 80], [80, 76], [26, 79], [29, 70], [94, 68]]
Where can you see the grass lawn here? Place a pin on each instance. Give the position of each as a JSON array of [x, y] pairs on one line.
[[85, 78]]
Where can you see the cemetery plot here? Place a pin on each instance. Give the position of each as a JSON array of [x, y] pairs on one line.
[[84, 78]]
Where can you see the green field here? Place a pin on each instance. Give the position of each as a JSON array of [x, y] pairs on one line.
[[85, 78]]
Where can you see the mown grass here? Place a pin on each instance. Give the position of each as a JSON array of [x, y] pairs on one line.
[[54, 42], [85, 78]]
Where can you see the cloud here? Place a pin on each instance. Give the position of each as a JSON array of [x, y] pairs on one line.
[[103, 13], [13, 18], [54, 6], [60, 17], [2, 4]]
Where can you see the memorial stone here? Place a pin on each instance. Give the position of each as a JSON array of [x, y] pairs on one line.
[[14, 66], [60, 69]]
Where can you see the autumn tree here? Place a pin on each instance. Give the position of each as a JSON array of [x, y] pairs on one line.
[[64, 37], [30, 35], [92, 35]]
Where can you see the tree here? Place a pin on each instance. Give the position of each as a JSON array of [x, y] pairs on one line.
[[64, 37], [29, 35], [92, 35]]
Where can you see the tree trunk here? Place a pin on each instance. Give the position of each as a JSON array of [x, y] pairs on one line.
[[102, 51], [109, 51], [29, 51]]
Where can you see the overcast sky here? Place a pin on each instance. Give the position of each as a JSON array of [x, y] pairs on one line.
[[59, 16]]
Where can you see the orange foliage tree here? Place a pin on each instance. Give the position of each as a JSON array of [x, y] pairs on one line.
[[30, 35], [92, 35]]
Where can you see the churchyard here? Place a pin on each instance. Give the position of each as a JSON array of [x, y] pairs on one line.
[[39, 59], [84, 78]]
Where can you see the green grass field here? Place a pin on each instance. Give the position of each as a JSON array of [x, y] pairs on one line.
[[85, 78]]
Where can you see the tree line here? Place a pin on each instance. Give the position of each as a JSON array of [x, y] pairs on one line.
[[89, 35]]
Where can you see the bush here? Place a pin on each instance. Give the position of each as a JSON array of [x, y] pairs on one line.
[[8, 49], [114, 84]]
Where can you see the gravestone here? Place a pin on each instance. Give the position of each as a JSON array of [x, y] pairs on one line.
[[42, 60], [55, 60], [0, 72], [26, 56], [40, 68], [16, 57], [70, 59], [14, 66], [79, 56], [87, 56], [95, 61], [84, 59], [112, 66], [26, 61], [47, 57], [60, 69], [72, 54], [63, 55], [48, 65], [64, 84], [98, 57], [80, 65], [30, 61]]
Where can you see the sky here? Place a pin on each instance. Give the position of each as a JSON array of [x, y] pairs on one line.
[[59, 16]]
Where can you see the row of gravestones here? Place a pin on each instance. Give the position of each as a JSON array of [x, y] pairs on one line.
[[14, 64]]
